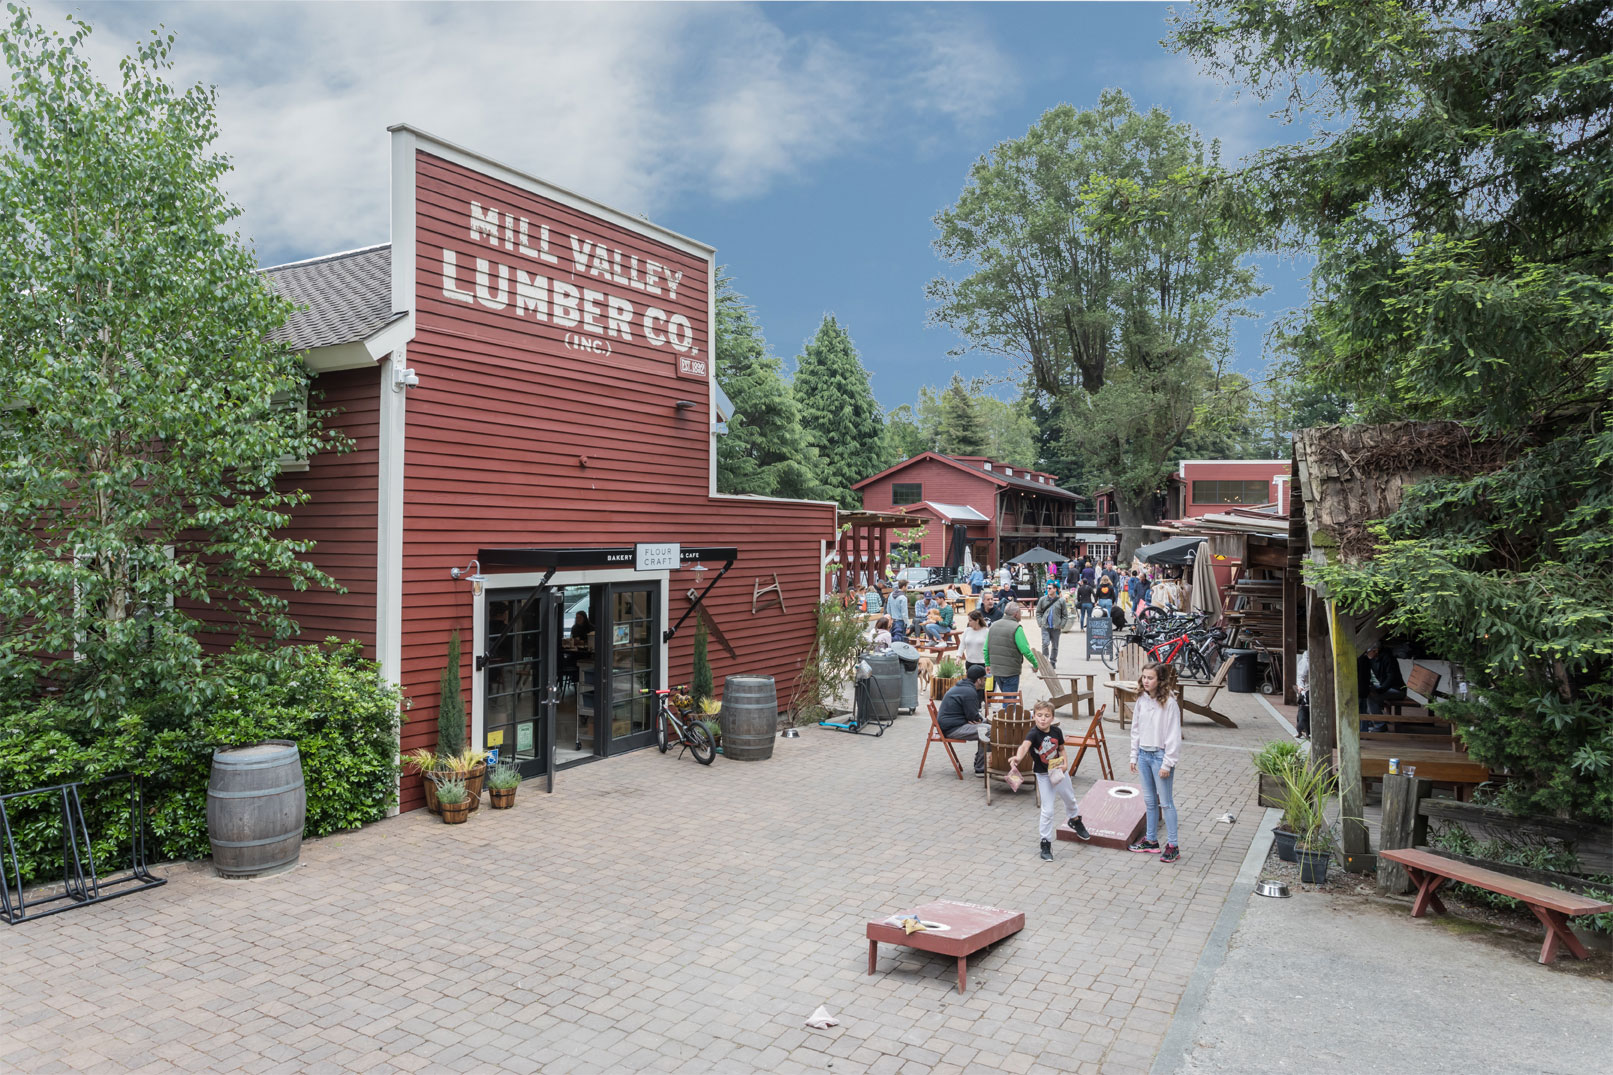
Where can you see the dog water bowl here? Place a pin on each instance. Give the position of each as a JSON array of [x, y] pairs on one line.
[[1275, 889]]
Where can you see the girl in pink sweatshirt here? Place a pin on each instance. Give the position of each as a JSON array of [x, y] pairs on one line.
[[1156, 742]]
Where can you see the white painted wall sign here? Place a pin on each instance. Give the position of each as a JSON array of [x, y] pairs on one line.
[[656, 556]]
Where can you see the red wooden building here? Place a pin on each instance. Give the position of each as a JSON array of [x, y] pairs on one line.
[[1208, 486], [995, 509], [526, 375]]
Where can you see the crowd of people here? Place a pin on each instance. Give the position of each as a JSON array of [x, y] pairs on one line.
[[995, 648]]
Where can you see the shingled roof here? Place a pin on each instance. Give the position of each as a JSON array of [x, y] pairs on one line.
[[341, 298]]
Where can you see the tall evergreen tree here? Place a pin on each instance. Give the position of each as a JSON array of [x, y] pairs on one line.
[[963, 429], [843, 422], [765, 450]]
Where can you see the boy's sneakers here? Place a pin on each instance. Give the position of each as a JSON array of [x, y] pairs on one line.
[[1079, 829], [1047, 850], [1172, 853], [1143, 844]]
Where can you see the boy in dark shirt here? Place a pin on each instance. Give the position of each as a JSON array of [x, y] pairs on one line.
[[1045, 744]]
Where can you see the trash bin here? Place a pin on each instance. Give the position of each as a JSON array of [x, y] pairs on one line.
[[909, 656], [884, 686], [1244, 675]]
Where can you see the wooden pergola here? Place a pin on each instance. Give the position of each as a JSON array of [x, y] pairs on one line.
[[864, 546]]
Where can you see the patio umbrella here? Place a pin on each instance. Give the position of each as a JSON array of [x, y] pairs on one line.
[[1039, 555], [1206, 597]]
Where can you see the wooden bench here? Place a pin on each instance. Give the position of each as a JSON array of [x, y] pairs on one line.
[[1552, 906], [1411, 740]]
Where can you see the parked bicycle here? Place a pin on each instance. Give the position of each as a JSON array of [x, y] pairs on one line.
[[676, 723]]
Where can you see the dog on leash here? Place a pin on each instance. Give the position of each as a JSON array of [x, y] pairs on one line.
[[926, 673]]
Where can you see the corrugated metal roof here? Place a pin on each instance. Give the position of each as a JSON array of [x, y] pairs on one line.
[[958, 512], [341, 298]]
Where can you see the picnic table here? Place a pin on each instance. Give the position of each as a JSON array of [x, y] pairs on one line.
[[1440, 766], [961, 929], [1429, 872]]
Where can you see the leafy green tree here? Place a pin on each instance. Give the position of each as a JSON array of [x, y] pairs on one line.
[[765, 451], [904, 437], [1010, 433], [141, 436], [1103, 251], [843, 423], [1460, 203], [962, 429]]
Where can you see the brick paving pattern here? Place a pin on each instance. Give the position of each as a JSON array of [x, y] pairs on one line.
[[656, 915]]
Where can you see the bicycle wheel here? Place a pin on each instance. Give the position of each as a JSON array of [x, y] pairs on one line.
[[661, 742], [1196, 667], [1108, 655], [701, 744]]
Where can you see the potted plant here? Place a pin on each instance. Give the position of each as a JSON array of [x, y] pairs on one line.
[[469, 767], [711, 719], [947, 674], [1273, 758], [501, 784], [453, 801], [1314, 838], [1303, 785]]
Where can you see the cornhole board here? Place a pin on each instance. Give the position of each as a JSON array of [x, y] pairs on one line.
[[961, 930], [1113, 813]]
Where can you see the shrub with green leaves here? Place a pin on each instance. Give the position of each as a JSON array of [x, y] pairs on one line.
[[327, 699]]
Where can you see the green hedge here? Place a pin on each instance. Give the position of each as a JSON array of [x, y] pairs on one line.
[[328, 700]]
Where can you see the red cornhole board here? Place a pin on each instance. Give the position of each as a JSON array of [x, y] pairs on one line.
[[1113, 813], [965, 928]]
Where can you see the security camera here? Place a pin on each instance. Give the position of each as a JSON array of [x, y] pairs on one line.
[[404, 378]]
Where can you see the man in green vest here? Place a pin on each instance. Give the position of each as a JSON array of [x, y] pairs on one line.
[[1007, 649]]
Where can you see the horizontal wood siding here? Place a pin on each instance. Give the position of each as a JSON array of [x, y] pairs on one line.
[[339, 517], [1253, 470], [941, 483], [515, 440]]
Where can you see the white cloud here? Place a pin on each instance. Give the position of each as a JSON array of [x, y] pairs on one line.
[[636, 105]]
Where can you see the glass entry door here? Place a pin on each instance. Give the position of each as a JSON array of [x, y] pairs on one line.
[[633, 652], [521, 689]]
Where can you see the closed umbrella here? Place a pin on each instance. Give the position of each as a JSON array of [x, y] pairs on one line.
[[1206, 597]]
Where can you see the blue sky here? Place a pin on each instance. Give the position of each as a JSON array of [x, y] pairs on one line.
[[812, 144]]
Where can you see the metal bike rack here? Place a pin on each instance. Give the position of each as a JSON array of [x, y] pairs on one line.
[[82, 884]]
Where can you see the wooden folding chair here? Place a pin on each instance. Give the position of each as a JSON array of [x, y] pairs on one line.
[[938, 736], [1093, 738], [1008, 729], [1424, 681], [996, 700]]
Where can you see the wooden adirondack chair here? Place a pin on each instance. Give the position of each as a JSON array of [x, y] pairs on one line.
[[1072, 697]]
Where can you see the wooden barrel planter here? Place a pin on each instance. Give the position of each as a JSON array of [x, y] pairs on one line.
[[473, 784], [939, 686], [256, 805], [749, 717]]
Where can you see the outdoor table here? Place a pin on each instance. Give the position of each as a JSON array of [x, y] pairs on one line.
[[965, 928]]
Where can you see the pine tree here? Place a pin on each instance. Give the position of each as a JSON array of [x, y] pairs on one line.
[[842, 420], [963, 429], [765, 450]]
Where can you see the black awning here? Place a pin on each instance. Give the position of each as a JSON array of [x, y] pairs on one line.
[[610, 556], [1176, 550]]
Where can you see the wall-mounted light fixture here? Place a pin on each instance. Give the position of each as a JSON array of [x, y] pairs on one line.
[[685, 404], [476, 579]]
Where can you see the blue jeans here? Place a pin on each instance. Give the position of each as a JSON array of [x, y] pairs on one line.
[[1106, 605], [1086, 614], [1157, 794], [1004, 684]]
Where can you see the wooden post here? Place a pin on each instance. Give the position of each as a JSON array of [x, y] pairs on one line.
[[1324, 726], [1347, 724], [1403, 826], [1290, 658], [857, 562]]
